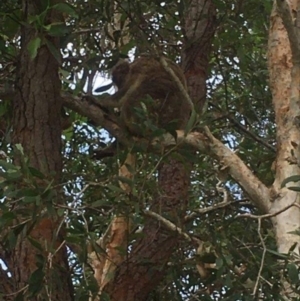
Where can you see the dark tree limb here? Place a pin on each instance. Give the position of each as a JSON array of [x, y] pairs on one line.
[[6, 285], [89, 107]]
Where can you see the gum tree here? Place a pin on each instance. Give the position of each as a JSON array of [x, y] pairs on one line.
[[210, 213]]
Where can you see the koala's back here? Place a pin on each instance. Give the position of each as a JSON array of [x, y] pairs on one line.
[[168, 105]]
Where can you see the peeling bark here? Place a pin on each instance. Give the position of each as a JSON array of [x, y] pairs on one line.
[[284, 83], [284, 69]]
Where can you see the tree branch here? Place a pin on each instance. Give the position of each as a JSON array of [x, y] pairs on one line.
[[93, 111], [242, 128], [170, 226], [87, 30], [251, 134], [206, 143], [198, 212], [268, 215], [239, 171], [181, 87], [6, 283]]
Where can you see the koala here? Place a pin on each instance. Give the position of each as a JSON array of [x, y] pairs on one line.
[[144, 78]]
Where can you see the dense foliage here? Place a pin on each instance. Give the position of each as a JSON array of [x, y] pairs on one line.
[[238, 111]]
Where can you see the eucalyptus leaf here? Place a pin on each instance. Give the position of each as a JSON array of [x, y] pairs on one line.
[[33, 47]]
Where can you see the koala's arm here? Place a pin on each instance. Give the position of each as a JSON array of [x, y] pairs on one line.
[[104, 101]]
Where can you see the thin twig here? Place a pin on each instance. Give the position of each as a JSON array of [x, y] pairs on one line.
[[183, 91], [86, 30], [262, 258], [170, 226], [269, 214], [243, 129], [18, 291], [252, 135], [208, 209]]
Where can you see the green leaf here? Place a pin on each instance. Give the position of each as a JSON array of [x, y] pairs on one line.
[[191, 122], [105, 296], [3, 105], [11, 175], [293, 273], [20, 148], [40, 260], [20, 297], [48, 188], [54, 51], [36, 173], [219, 263], [31, 200], [98, 203], [35, 243], [66, 8], [125, 180], [7, 217], [12, 240], [10, 192], [68, 134], [45, 4], [228, 281], [295, 178], [144, 107], [60, 212], [19, 228], [294, 188], [295, 232], [50, 209], [279, 255], [36, 281], [33, 47], [28, 192], [57, 29], [7, 165], [293, 247], [114, 188]]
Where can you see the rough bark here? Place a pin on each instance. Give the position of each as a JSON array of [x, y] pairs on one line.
[[199, 27], [6, 286], [37, 127], [146, 264]]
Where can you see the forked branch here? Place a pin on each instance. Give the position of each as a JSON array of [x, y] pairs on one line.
[[204, 142]]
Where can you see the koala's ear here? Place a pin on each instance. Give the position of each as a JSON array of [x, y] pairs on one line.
[[104, 88]]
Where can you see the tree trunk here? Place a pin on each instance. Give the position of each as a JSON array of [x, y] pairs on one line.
[[147, 263], [288, 134], [37, 127], [199, 27], [284, 82]]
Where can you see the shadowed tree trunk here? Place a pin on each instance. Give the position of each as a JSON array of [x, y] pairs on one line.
[[146, 265], [37, 127], [199, 27]]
